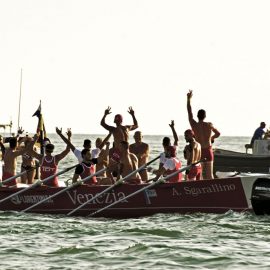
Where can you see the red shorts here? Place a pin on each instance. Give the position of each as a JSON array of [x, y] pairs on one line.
[[115, 155], [7, 175], [195, 172], [207, 154]]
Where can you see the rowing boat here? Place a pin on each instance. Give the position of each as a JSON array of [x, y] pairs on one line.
[[207, 196]]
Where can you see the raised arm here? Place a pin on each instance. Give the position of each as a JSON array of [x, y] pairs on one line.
[[66, 151], [65, 139], [30, 149], [189, 109], [135, 123], [175, 137], [105, 141], [103, 123]]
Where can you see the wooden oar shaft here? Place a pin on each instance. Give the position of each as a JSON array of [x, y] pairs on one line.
[[37, 183], [64, 190], [161, 180], [120, 181]]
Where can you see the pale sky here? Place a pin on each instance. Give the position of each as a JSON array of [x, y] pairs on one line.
[[78, 57]]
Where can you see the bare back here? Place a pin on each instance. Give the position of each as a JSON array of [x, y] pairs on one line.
[[203, 132], [10, 160], [129, 163], [141, 150]]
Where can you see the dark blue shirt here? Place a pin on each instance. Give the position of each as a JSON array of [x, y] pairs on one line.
[[257, 135]]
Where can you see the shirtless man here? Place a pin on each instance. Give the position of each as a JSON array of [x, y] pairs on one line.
[[172, 164], [49, 163], [102, 156], [28, 165], [10, 159], [141, 150], [120, 132], [129, 163], [192, 153], [203, 133]]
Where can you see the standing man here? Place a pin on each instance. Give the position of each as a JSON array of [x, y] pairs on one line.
[[49, 163], [141, 150], [205, 134], [10, 159], [192, 153], [258, 134], [120, 132]]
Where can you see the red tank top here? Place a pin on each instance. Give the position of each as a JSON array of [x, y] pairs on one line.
[[178, 177], [49, 168], [88, 170]]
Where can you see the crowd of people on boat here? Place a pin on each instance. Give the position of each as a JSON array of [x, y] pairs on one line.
[[121, 160]]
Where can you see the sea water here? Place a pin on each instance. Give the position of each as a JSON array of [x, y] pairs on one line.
[[172, 241]]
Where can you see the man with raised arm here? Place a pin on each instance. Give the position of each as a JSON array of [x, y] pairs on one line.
[[141, 150], [166, 142], [86, 145], [120, 132], [49, 162], [10, 159], [192, 153], [205, 134], [171, 165]]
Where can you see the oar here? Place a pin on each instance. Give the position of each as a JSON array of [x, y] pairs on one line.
[[120, 181], [16, 176], [159, 181], [37, 183], [65, 189]]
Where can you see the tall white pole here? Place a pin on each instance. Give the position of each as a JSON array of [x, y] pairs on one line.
[[19, 113]]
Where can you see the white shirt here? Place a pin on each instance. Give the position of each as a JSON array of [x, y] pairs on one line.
[[94, 154], [169, 164]]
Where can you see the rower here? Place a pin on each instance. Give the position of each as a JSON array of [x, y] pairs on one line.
[[49, 163], [86, 168], [172, 164], [192, 153]]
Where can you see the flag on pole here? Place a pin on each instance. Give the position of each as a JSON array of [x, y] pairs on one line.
[[40, 128]]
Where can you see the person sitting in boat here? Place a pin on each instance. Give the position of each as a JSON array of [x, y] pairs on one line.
[[166, 142], [171, 165], [141, 150], [205, 134], [258, 133], [86, 168], [192, 153], [10, 159], [120, 132], [28, 164], [128, 164], [49, 163], [102, 155], [86, 145]]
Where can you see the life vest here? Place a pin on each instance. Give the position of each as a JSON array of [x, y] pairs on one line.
[[178, 177], [88, 170], [47, 169]]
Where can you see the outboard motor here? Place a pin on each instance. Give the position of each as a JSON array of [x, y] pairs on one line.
[[260, 196]]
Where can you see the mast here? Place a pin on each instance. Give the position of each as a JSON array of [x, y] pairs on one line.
[[19, 112]]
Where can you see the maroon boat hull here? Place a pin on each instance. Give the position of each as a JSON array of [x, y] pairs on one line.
[[207, 196]]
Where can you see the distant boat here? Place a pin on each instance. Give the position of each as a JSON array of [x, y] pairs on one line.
[[257, 162]]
